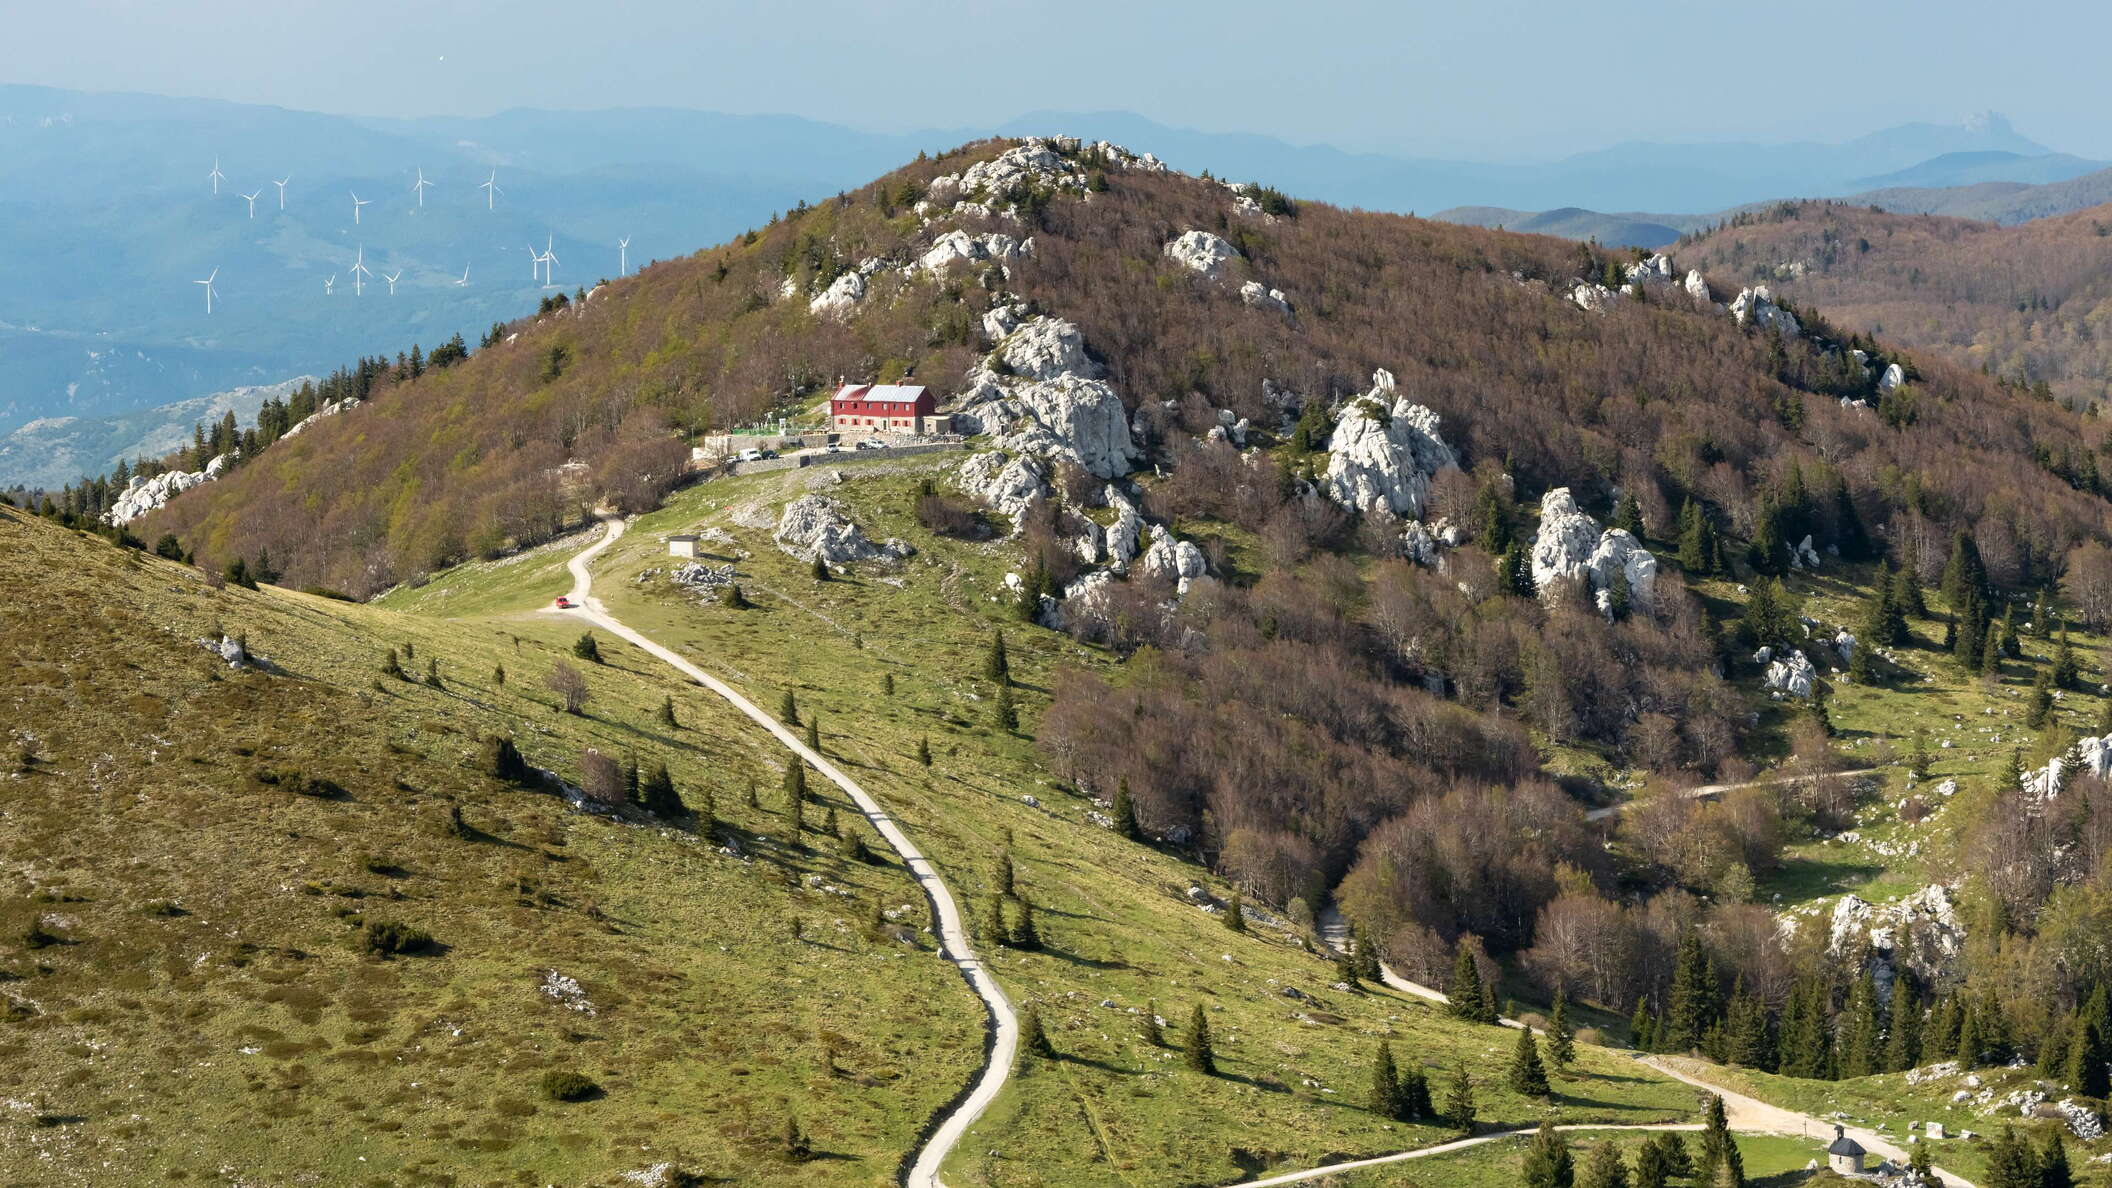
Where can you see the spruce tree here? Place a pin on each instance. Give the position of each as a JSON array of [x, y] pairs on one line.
[[1195, 1049], [2042, 614], [1561, 1044], [813, 739], [1148, 1029], [1465, 992], [2011, 1163], [996, 665], [498, 675], [1964, 575], [1640, 1031], [1884, 623], [1693, 1000], [1415, 1094], [1515, 571], [1651, 1169], [1385, 1099], [1032, 1039], [1906, 585], [2038, 710], [1604, 1168], [2067, 670], [793, 1143], [1697, 544], [2088, 1057], [1492, 517], [1547, 1160], [1459, 1102], [1235, 913], [1903, 1039], [657, 795], [1126, 810], [1527, 1076], [1716, 1143], [820, 569], [2054, 1169], [1627, 516], [1861, 1030], [587, 648]]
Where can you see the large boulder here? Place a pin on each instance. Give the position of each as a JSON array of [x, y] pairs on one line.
[[1048, 401], [1696, 285], [1201, 252], [1592, 297], [1571, 548], [817, 526], [843, 293], [955, 247], [1756, 306], [1122, 536], [1384, 451], [1790, 676], [1260, 296], [2091, 755], [1178, 561], [1894, 376], [1655, 270]]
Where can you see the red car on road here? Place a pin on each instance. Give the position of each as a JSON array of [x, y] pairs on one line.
[[564, 603]]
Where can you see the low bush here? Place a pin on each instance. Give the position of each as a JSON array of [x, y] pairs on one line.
[[565, 1085], [386, 938]]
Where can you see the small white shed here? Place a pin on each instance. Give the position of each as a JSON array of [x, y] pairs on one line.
[[684, 545]]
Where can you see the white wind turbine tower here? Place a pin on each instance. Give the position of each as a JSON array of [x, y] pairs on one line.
[[623, 258], [359, 269], [358, 202], [465, 276], [208, 283], [392, 279], [491, 191], [216, 177], [252, 200], [330, 284], [281, 184], [535, 263], [420, 186], [549, 262]]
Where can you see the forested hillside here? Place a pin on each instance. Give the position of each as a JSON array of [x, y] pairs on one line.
[[2027, 303]]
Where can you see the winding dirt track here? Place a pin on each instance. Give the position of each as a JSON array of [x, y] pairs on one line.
[[952, 928]]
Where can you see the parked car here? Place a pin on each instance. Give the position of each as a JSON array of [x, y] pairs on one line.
[[564, 603], [768, 454], [835, 447], [872, 443], [749, 456]]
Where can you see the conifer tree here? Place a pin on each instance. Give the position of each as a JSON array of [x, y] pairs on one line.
[[1492, 517], [996, 665], [1032, 1039], [1604, 1168], [2039, 708], [587, 648], [1547, 1160], [657, 794], [1651, 1169], [2011, 1163], [820, 569], [1126, 810], [1697, 542], [498, 675], [1640, 1030], [1862, 1030], [2054, 1169], [1528, 1076], [1716, 1143], [997, 929], [1415, 1093], [2042, 613], [2007, 640], [1459, 1102], [1627, 516], [1769, 620], [1906, 584], [1196, 1048], [1693, 1000], [1903, 1038], [1465, 992], [2067, 670], [1964, 575], [1515, 571], [1004, 712], [1849, 535], [1991, 655], [1148, 1029], [391, 666], [1385, 1099], [1561, 1043], [1746, 1039], [2088, 1057], [1235, 913], [1884, 623], [793, 1143]]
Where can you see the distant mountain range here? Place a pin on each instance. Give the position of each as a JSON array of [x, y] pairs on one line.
[[108, 205], [53, 451]]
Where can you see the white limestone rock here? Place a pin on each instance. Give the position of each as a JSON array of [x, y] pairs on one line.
[[1122, 536], [1925, 924], [1260, 296], [1592, 297], [1010, 484], [328, 410], [1756, 306], [1201, 251], [1697, 285], [1805, 555], [1570, 547], [1384, 451], [842, 295], [1052, 404], [141, 496], [955, 247], [1844, 646], [1791, 675], [2092, 755], [818, 526], [1178, 561], [1045, 348], [1894, 376], [1655, 270]]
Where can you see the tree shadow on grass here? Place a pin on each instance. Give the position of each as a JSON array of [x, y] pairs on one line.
[[1080, 960]]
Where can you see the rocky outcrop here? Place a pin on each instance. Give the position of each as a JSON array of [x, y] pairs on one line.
[[328, 410], [843, 293], [1122, 536], [1790, 676], [1756, 306], [1804, 555], [1384, 451], [1656, 270], [2091, 755], [1894, 376], [1259, 296], [1178, 561], [1570, 548], [1592, 297], [1200, 251], [1696, 285], [955, 247], [1048, 400], [143, 495], [1011, 484], [1921, 932], [817, 526], [1039, 162]]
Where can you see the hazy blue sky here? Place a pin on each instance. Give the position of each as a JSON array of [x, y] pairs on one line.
[[1468, 77]]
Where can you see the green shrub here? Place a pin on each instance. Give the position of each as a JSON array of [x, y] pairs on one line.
[[385, 938], [565, 1085]]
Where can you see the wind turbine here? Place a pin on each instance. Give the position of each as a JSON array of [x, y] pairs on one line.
[[216, 176], [491, 191], [623, 259], [358, 202], [252, 200], [359, 269], [549, 259], [281, 184], [330, 284], [420, 186], [392, 278], [465, 276], [208, 283]]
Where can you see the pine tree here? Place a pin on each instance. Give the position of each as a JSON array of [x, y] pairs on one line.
[[1693, 1000], [1903, 1039], [1032, 1039], [1547, 1160], [1627, 516], [1148, 1029], [1697, 543], [1561, 1044], [587, 648], [2067, 670], [1528, 1077], [1126, 811], [1385, 1099], [1196, 1044], [788, 710], [2054, 1169], [996, 665], [1235, 913], [1459, 1102], [657, 795], [1604, 1168], [667, 713], [1465, 992], [1651, 1169]]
